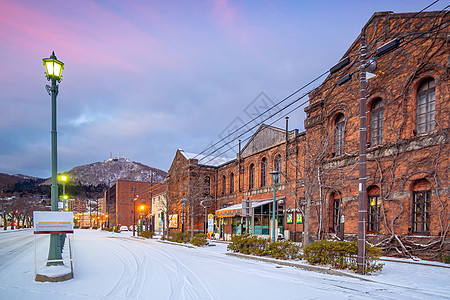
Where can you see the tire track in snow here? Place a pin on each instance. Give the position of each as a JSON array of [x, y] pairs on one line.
[[137, 264], [187, 283], [131, 280]]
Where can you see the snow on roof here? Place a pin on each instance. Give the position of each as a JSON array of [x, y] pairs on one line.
[[207, 160]]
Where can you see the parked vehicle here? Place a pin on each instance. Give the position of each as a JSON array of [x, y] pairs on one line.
[[123, 228]]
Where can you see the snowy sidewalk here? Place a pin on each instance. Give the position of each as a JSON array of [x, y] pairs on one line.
[[118, 266]]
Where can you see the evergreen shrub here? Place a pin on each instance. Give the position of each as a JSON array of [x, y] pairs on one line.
[[254, 245], [179, 237], [148, 234], [200, 240], [341, 255]]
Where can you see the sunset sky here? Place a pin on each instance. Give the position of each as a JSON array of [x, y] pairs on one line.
[[144, 78]]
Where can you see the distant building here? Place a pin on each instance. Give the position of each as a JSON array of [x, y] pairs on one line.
[[88, 220], [77, 206], [159, 209], [102, 205], [124, 197]]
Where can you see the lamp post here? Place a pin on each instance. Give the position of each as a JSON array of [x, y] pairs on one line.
[[206, 204], [183, 202], [54, 69], [274, 180]]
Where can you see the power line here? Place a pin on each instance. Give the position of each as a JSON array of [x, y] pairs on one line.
[[261, 114], [355, 62]]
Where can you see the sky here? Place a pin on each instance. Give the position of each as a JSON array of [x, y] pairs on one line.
[[145, 78]]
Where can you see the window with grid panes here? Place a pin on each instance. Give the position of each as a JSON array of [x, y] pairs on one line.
[[376, 122], [339, 129], [421, 212], [425, 113]]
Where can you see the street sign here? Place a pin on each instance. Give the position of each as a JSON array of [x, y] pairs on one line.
[[210, 224], [46, 222], [246, 207]]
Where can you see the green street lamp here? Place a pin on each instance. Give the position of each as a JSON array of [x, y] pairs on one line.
[[275, 180], [53, 68]]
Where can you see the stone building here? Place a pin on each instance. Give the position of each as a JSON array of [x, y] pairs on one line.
[[408, 121]]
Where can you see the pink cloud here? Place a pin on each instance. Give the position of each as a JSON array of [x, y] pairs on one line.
[[98, 37], [224, 12]]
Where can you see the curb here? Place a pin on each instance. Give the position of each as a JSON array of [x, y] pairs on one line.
[[414, 263], [176, 244], [300, 266]]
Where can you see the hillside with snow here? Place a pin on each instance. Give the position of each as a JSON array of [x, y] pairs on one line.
[[109, 171]]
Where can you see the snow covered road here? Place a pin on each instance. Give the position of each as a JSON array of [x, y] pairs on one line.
[[117, 266]]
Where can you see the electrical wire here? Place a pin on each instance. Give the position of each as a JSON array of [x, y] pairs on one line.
[[261, 114]]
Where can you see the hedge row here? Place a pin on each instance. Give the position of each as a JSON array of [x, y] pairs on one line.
[[148, 234], [341, 255], [251, 244], [199, 240], [338, 254]]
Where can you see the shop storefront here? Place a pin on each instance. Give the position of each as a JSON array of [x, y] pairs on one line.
[[231, 220]]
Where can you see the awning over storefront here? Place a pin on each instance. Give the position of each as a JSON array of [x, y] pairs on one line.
[[236, 210]]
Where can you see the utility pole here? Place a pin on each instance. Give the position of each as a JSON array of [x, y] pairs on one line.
[[362, 211], [134, 210]]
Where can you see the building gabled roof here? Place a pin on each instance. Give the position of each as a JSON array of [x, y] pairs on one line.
[[207, 160], [265, 137]]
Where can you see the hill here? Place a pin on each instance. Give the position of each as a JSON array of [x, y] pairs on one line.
[[109, 171]]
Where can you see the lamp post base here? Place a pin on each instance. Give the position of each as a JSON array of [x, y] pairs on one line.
[[54, 278]]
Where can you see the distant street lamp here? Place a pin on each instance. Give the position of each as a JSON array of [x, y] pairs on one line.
[[275, 180], [183, 202], [54, 69], [63, 178], [141, 209], [134, 210]]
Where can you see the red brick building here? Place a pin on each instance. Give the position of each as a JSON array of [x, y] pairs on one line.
[[120, 204], [408, 150], [408, 109]]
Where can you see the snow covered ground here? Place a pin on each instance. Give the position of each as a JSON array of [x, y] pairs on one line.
[[117, 266]]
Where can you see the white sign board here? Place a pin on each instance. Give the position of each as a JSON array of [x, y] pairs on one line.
[[210, 223], [46, 222]]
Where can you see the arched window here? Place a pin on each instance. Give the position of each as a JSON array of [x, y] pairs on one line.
[[207, 185], [277, 167], [263, 171], [232, 183], [425, 113], [376, 122], [224, 184], [374, 209], [421, 206], [339, 128], [251, 181]]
